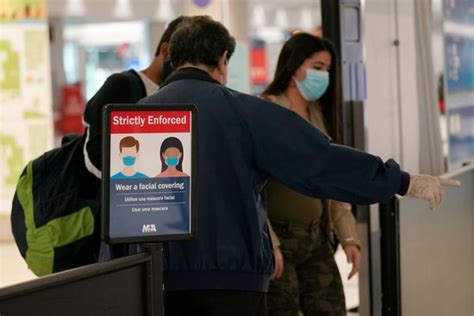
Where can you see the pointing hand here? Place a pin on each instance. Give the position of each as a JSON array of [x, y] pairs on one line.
[[429, 188]]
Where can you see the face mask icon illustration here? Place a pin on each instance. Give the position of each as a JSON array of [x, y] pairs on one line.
[[128, 160], [172, 161]]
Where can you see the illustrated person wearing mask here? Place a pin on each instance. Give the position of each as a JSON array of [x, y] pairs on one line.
[[125, 87], [171, 155], [129, 148], [306, 276], [243, 141]]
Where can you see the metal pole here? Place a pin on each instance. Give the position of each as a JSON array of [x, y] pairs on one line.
[[154, 279]]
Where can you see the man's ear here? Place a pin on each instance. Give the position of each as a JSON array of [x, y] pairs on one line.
[[164, 50], [223, 60]]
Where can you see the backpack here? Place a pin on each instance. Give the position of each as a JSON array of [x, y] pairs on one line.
[[55, 213]]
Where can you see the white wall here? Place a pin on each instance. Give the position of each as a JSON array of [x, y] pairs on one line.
[[391, 115], [391, 107]]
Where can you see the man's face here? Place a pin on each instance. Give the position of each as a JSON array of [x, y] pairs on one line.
[[129, 155], [129, 151]]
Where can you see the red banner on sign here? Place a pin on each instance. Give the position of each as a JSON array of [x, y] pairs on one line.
[[126, 122]]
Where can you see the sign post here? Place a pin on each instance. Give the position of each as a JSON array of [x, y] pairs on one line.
[[154, 285], [149, 177]]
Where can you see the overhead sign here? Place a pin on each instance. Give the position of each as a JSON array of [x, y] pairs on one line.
[[149, 173]]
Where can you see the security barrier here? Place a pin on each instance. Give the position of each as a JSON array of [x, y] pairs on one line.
[[437, 252], [426, 256], [118, 287]]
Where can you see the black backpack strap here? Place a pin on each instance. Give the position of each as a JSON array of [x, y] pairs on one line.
[[137, 87]]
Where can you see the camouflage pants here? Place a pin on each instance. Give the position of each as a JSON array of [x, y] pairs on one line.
[[310, 283]]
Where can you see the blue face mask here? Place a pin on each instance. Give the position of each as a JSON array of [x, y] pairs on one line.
[[172, 161], [128, 160], [314, 85]]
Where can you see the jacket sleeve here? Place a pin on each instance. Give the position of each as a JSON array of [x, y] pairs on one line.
[[116, 89], [297, 154]]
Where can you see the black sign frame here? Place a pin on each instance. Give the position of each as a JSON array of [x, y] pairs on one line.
[[106, 142]]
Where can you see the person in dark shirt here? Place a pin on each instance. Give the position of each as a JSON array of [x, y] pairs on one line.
[[125, 87], [243, 141]]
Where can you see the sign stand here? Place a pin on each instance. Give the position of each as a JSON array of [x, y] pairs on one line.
[[154, 283], [149, 182]]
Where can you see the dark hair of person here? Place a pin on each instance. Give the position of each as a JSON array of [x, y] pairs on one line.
[[200, 40], [172, 27], [129, 141], [171, 142], [293, 54]]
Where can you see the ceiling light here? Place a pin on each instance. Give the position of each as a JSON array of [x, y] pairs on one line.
[[123, 9], [306, 19], [258, 17], [281, 19], [165, 11], [75, 8]]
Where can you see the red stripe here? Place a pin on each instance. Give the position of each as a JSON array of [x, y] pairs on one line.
[[132, 122]]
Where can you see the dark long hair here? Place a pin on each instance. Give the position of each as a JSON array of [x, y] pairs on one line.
[[171, 142], [293, 54]]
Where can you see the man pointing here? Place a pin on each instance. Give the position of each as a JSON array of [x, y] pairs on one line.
[[243, 141]]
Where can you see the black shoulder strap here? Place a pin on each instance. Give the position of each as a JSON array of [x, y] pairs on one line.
[[137, 87]]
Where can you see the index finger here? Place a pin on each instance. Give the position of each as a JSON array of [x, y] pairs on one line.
[[352, 273], [449, 182]]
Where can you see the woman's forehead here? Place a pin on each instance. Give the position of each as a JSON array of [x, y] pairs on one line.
[[172, 150], [323, 57]]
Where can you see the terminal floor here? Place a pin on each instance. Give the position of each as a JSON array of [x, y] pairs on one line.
[[14, 270]]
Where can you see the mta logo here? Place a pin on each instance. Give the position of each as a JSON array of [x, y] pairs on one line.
[[149, 228]]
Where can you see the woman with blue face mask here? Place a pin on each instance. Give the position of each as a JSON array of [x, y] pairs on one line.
[[171, 155], [306, 277]]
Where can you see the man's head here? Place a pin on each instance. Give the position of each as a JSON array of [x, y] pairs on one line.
[[129, 147], [203, 42], [161, 66]]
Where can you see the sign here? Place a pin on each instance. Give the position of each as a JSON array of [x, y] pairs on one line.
[[26, 118], [258, 65], [25, 10], [149, 173], [71, 110]]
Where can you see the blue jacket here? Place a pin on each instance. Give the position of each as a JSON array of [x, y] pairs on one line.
[[244, 140]]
